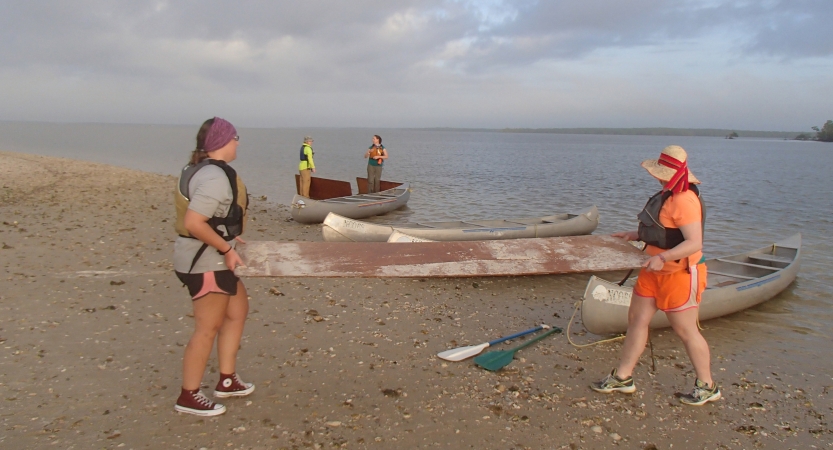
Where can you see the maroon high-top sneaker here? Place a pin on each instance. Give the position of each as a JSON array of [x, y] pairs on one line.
[[194, 402], [232, 386]]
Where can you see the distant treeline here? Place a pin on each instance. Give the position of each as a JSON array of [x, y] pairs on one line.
[[708, 132]]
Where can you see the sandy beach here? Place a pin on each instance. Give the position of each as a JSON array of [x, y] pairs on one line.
[[93, 324]]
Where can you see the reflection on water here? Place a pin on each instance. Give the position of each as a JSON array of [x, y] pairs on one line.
[[756, 190]]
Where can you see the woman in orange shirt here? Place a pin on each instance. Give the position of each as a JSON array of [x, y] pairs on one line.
[[376, 155], [672, 280]]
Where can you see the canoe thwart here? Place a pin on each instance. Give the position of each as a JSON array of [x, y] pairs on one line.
[[741, 263], [731, 275]]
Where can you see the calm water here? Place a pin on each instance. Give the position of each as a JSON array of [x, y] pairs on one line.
[[757, 190]]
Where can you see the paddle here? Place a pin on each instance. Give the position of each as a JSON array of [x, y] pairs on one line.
[[499, 359], [461, 353]]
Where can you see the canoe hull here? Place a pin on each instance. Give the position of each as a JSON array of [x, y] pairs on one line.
[[306, 210], [396, 236], [604, 309], [344, 229], [438, 259]]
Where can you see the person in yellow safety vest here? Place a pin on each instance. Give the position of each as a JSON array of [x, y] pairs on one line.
[[307, 166]]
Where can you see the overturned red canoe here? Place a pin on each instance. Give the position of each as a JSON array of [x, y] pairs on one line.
[[438, 259]]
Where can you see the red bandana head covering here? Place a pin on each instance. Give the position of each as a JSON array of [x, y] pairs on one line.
[[679, 181], [220, 134]]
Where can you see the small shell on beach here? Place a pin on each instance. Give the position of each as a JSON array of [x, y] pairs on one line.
[[275, 291]]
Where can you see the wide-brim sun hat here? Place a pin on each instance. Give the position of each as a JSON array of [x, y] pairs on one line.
[[665, 173]]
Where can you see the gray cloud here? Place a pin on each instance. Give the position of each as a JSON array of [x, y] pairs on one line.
[[404, 63]]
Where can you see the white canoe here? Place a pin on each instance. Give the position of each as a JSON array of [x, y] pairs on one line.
[[343, 229], [735, 283], [333, 196], [396, 236]]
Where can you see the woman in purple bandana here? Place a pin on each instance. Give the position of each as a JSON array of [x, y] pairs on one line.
[[211, 205]]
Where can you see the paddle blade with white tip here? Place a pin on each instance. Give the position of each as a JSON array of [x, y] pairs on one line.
[[459, 354]]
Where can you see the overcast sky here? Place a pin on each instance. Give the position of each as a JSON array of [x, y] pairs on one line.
[[755, 65]]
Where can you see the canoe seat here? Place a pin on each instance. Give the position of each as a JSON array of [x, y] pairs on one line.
[[731, 275], [771, 258], [757, 266]]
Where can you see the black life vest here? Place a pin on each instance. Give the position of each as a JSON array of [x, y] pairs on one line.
[[651, 230], [304, 156], [235, 220]]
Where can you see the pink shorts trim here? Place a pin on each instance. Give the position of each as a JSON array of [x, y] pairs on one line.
[[209, 285]]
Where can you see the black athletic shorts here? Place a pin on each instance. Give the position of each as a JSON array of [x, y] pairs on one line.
[[200, 284]]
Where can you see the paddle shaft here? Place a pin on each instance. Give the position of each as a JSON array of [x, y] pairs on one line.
[[532, 341], [502, 358], [513, 336]]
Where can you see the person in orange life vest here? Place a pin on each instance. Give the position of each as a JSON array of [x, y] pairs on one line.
[[376, 155], [672, 280]]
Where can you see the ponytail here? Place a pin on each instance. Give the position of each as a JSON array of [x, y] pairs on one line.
[[199, 153]]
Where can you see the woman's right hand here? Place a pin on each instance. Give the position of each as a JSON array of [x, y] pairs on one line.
[[627, 235], [232, 260]]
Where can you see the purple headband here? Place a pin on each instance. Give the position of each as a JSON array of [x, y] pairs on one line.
[[220, 134]]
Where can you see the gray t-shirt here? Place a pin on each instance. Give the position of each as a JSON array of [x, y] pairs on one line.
[[211, 196]]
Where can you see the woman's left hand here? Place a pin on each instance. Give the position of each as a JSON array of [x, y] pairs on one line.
[[654, 264]]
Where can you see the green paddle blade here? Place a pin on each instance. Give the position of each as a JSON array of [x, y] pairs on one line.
[[499, 359]]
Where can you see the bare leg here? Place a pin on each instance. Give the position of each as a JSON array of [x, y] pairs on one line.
[[209, 314], [228, 341], [640, 313], [685, 325]]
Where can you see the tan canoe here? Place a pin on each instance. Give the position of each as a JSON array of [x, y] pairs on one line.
[[342, 229], [735, 283], [438, 259], [335, 196]]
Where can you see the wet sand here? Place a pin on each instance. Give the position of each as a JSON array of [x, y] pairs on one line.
[[93, 324]]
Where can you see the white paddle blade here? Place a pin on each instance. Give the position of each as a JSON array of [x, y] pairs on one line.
[[461, 353]]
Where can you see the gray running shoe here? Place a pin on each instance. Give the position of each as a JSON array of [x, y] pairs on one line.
[[612, 383], [701, 394]]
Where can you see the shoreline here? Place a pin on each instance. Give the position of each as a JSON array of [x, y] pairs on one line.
[[94, 324]]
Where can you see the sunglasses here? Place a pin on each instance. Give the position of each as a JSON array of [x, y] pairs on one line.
[[236, 137]]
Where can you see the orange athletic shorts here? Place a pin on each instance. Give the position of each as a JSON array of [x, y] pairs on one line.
[[676, 291]]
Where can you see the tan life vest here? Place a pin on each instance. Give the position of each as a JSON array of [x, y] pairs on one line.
[[235, 221]]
